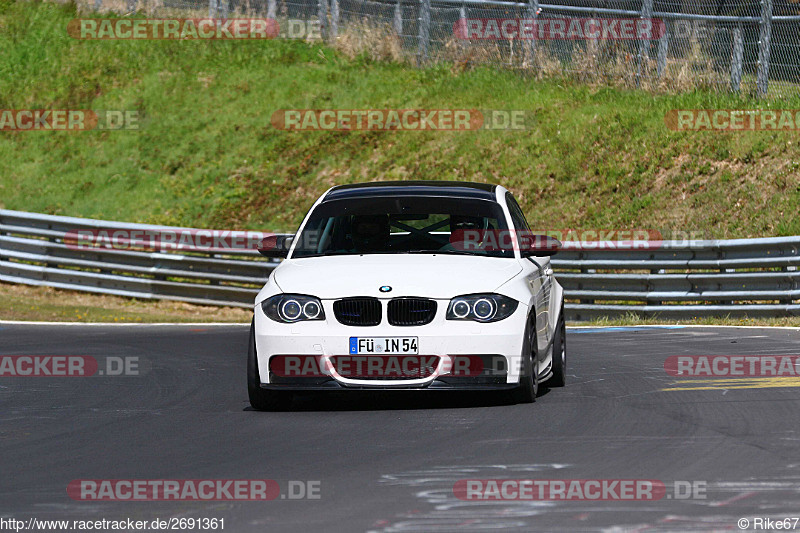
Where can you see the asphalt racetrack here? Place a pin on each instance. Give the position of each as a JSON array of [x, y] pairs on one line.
[[724, 449]]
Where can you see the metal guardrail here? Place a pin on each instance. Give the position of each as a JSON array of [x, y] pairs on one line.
[[742, 277], [33, 251]]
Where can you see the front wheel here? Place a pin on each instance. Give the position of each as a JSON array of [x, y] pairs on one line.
[[559, 377], [529, 373], [260, 399]]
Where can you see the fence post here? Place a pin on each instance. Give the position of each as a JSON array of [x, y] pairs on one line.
[[334, 19], [223, 7], [322, 13], [663, 48], [531, 14], [272, 9], [212, 9], [398, 18], [98, 4], [644, 44], [764, 38], [736, 59], [424, 31]]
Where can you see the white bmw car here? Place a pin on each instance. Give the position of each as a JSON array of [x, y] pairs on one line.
[[409, 285]]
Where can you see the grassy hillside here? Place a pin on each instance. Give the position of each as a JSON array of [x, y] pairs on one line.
[[207, 155]]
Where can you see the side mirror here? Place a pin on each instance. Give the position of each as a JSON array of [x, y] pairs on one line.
[[276, 246], [539, 245]]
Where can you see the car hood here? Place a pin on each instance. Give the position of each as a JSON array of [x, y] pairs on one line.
[[434, 276]]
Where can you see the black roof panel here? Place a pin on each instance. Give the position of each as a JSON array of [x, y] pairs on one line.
[[450, 189]]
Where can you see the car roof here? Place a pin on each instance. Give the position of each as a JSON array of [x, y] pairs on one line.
[[449, 189]]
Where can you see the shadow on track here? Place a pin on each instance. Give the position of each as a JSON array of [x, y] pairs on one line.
[[380, 400]]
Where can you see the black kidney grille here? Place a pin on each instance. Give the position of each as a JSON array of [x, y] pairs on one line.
[[411, 311], [358, 311]]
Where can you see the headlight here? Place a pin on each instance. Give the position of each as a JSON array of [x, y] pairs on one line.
[[293, 308], [481, 307]]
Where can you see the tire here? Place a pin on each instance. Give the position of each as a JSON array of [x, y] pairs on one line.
[[261, 399], [529, 377], [559, 377]]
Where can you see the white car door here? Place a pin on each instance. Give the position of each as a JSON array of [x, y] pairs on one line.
[[538, 274]]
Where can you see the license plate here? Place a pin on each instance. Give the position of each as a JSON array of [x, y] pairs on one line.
[[383, 345]]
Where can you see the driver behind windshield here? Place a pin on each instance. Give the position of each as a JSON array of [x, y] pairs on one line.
[[370, 233], [465, 222], [465, 230]]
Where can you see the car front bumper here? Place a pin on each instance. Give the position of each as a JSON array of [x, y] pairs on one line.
[[497, 345]]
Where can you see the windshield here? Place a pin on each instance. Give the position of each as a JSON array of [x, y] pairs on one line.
[[411, 224]]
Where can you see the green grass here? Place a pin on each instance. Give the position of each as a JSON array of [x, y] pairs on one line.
[[634, 319], [597, 157], [28, 303]]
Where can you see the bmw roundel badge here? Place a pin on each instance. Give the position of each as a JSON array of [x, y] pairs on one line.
[[385, 288]]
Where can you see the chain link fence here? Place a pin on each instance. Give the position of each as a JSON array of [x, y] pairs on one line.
[[747, 46]]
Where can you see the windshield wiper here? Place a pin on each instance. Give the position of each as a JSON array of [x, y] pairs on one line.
[[453, 252], [339, 252]]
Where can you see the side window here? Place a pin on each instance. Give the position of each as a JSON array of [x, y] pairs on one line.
[[517, 216]]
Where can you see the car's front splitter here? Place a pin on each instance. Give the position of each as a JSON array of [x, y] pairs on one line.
[[436, 385]]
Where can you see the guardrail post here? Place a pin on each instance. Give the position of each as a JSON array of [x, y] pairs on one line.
[[663, 48], [736, 59], [647, 300], [460, 44], [726, 271], [424, 31], [585, 270], [334, 19], [644, 44], [322, 13], [213, 255], [398, 18], [764, 38], [793, 285], [532, 14]]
